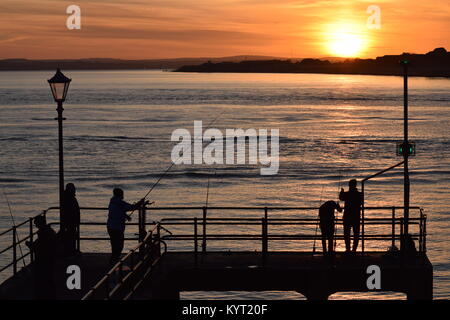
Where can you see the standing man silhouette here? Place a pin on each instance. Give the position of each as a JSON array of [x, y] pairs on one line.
[[70, 220], [352, 214], [116, 222]]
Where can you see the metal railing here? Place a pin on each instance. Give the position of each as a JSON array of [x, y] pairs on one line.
[[192, 234], [18, 242], [139, 260], [196, 229]]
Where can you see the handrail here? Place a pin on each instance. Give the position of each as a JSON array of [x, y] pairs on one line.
[[236, 221], [145, 249], [267, 222], [264, 237]]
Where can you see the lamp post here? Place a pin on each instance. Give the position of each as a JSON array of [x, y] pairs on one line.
[[406, 183], [59, 84]]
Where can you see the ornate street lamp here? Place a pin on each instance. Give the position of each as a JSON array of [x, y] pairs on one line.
[[59, 84]]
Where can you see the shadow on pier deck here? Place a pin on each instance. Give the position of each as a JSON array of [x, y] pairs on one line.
[[314, 276], [150, 271], [93, 266]]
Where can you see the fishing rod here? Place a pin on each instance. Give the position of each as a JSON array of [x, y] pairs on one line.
[[14, 224], [335, 224], [207, 190], [317, 224], [173, 163]]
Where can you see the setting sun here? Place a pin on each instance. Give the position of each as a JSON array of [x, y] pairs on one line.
[[345, 45], [344, 40]]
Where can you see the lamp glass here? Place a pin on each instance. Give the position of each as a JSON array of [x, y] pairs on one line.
[[58, 91]]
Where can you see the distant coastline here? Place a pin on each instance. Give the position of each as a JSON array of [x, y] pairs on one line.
[[432, 64], [114, 64]]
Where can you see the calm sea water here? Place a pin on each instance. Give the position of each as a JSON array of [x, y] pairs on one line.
[[332, 128]]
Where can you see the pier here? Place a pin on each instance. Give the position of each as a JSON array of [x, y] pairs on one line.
[[180, 254]]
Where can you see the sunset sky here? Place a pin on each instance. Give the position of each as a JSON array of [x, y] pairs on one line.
[[145, 29]]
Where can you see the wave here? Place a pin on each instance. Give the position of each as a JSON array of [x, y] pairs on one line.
[[14, 139], [249, 96]]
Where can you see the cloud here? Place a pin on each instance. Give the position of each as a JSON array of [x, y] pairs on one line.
[[185, 27]]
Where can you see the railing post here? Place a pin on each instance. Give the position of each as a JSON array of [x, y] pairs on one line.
[[132, 260], [107, 289], [362, 217], [158, 238], [204, 231], [195, 237], [424, 233], [141, 250], [420, 230], [402, 239], [31, 240], [142, 232], [264, 236], [121, 272], [14, 250], [77, 230], [141, 222], [265, 231], [393, 226]]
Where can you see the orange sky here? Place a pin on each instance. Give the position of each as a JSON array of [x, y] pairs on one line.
[[140, 29]]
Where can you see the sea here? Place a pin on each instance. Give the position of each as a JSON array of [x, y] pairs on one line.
[[332, 128]]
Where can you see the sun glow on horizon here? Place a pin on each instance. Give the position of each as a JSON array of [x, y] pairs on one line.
[[345, 40]]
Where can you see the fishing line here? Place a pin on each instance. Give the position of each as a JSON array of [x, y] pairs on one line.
[[207, 190], [173, 163], [170, 167], [207, 194], [317, 224], [14, 224]]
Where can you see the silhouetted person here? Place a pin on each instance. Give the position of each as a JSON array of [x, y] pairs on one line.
[[44, 249], [352, 213], [116, 222], [326, 215], [70, 220], [407, 245]]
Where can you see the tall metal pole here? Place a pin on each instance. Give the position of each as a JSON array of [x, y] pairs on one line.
[[61, 157], [405, 147]]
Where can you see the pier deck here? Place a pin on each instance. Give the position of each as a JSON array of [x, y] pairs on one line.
[[314, 276], [93, 266]]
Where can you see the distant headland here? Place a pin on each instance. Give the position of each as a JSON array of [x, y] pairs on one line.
[[114, 64], [432, 64]]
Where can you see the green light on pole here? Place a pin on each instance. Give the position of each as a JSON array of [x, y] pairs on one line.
[[410, 149]]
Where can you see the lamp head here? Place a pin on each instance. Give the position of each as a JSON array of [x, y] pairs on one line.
[[59, 84]]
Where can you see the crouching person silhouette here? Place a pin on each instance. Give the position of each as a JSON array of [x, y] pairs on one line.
[[44, 250], [326, 216]]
